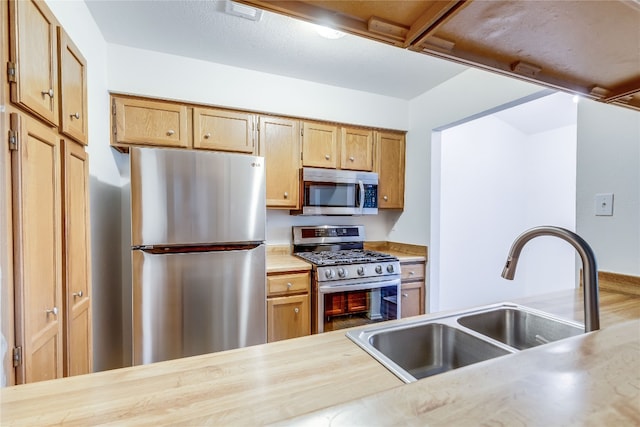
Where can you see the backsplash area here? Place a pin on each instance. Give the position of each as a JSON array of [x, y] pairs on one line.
[[377, 227]]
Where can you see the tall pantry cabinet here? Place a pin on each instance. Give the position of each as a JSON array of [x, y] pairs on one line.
[[46, 99]]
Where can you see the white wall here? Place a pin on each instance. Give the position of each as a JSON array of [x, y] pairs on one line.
[[609, 162], [497, 181], [145, 72]]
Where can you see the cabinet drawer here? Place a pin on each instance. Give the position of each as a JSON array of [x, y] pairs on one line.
[[412, 271], [288, 284]]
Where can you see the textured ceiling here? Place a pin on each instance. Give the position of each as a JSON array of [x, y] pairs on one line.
[[276, 44]]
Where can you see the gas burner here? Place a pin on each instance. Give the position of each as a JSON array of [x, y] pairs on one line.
[[345, 256]]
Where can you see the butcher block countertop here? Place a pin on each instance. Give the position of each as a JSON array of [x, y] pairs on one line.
[[326, 379]]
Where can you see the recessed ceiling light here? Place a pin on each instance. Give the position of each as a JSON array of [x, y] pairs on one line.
[[243, 11], [329, 33]]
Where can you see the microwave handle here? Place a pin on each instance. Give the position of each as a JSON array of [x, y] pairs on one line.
[[361, 185]]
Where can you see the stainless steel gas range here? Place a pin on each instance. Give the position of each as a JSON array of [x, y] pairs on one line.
[[351, 286]]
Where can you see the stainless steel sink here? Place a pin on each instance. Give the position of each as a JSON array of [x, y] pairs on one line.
[[418, 348], [432, 348], [518, 328]]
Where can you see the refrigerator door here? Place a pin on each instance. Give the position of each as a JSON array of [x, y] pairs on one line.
[[185, 304], [190, 197]]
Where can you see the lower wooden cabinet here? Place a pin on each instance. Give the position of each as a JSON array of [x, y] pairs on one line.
[[412, 289], [288, 305]]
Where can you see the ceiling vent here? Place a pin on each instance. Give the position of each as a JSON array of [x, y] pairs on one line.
[[243, 11]]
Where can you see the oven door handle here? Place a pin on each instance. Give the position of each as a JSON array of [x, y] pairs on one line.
[[340, 287], [361, 185]]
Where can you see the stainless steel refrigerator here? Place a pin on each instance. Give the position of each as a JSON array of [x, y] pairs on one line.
[[198, 252]]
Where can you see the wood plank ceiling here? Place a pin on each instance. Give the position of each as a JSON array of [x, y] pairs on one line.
[[591, 48]]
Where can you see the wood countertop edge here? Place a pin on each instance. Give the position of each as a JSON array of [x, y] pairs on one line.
[[590, 379]]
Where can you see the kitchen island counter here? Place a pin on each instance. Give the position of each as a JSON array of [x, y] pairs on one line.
[[594, 377]]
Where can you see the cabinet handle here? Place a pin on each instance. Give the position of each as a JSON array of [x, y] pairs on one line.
[[53, 311], [78, 294], [75, 116], [47, 92], [405, 295], [296, 310], [326, 156], [289, 285], [352, 159], [170, 132], [286, 195], [207, 135], [385, 198], [411, 273]]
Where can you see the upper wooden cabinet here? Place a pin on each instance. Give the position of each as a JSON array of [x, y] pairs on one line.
[[223, 130], [72, 89], [147, 122], [320, 145], [356, 149], [33, 63], [280, 146], [587, 47], [390, 159]]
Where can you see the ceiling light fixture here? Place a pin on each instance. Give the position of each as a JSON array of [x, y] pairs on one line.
[[329, 33], [243, 11]]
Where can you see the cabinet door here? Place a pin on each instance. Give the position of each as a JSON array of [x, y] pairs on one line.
[[288, 317], [280, 146], [412, 302], [391, 153], [319, 145], [33, 55], [37, 249], [73, 89], [143, 122], [223, 130], [356, 149], [76, 261]]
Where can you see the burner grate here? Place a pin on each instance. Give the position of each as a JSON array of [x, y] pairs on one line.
[[346, 256]]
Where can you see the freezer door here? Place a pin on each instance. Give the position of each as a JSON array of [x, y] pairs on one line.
[[185, 304], [190, 197]]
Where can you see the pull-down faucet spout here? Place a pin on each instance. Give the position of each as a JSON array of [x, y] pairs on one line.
[[589, 267]]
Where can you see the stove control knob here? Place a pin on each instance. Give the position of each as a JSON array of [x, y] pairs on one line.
[[390, 268], [329, 274], [379, 269], [361, 271], [342, 272]]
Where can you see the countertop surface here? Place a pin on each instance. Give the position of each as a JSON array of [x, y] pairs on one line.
[[326, 379]]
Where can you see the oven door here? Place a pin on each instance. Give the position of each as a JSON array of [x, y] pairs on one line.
[[343, 305]]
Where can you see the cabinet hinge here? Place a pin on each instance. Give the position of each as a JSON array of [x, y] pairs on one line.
[[301, 131], [13, 140], [113, 107], [17, 356], [115, 130], [11, 72]]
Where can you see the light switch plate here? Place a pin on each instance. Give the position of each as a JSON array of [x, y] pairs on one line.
[[604, 204]]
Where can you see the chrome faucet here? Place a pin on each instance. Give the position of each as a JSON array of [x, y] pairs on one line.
[[589, 267]]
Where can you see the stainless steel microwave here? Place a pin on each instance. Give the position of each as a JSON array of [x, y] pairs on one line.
[[338, 192]]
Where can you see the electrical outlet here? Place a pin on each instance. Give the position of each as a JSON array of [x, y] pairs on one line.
[[604, 204]]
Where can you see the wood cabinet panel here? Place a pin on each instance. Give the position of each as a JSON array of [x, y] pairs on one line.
[[284, 284], [145, 122], [319, 145], [223, 130], [391, 169], [33, 73], [288, 317], [280, 145], [36, 195], [412, 299], [72, 89], [356, 149], [76, 273]]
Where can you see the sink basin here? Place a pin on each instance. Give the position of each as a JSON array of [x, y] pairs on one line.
[[432, 348], [519, 328], [421, 347]]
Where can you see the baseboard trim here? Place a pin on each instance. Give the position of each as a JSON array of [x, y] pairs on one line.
[[616, 282]]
